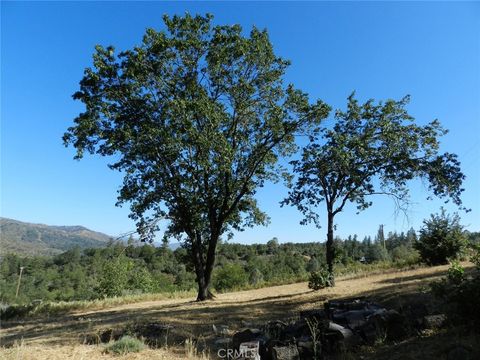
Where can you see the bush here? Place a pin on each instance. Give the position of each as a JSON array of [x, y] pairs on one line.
[[476, 255], [115, 276], [319, 279], [255, 277], [405, 255], [377, 253], [125, 345], [441, 239], [230, 276], [456, 273]]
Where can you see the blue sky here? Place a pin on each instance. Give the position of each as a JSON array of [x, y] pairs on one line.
[[382, 50]]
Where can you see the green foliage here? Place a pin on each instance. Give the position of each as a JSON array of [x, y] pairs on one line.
[[459, 295], [114, 277], [120, 270], [373, 149], [141, 280], [255, 277], [405, 255], [125, 345], [377, 253], [456, 273], [441, 239], [230, 276], [319, 279], [476, 255], [196, 118]]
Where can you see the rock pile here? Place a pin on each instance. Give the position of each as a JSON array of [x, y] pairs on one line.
[[318, 334]]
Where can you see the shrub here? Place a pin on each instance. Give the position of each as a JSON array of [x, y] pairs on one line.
[[255, 277], [230, 276], [441, 239], [405, 255], [125, 345], [141, 279], [456, 273], [476, 255], [319, 279], [377, 252], [115, 276]]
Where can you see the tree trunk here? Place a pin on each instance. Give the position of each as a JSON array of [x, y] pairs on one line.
[[204, 267], [330, 249]]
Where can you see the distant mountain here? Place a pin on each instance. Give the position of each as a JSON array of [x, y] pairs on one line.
[[38, 239]]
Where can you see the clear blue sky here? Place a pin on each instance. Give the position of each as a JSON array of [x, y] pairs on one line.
[[381, 50]]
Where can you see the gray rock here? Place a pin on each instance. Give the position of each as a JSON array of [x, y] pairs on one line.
[[249, 351], [396, 326], [434, 321], [285, 353], [307, 349], [244, 336]]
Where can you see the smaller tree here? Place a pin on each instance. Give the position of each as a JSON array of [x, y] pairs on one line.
[[373, 149], [441, 238]]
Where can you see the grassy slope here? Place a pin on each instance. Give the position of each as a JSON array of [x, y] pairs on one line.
[[194, 320]]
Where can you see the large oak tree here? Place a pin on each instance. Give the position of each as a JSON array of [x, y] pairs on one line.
[[373, 149], [195, 117]]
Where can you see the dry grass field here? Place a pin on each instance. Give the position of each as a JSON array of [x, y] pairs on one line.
[[60, 337]]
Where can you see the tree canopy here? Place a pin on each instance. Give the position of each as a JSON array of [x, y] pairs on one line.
[[373, 149], [196, 118]]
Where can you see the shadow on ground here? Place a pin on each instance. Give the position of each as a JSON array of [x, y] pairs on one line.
[[194, 320]]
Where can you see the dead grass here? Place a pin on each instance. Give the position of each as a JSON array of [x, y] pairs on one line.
[[21, 351], [57, 337]]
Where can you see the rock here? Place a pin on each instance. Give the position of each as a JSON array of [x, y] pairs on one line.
[[434, 321], [274, 329], [343, 335], [110, 335], [306, 348], [249, 350], [396, 326], [317, 314], [285, 353], [416, 312], [458, 353], [355, 318], [154, 334], [247, 335], [295, 331], [374, 330]]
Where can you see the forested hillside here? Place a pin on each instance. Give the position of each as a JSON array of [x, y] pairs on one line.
[[121, 269], [38, 239]]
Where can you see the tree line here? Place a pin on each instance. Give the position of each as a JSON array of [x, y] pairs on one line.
[[125, 269]]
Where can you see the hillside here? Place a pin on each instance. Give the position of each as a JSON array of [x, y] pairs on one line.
[[37, 239], [60, 336]]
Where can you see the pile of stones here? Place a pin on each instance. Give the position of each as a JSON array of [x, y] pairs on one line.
[[322, 333]]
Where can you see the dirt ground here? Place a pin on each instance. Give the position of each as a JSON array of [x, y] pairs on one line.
[[61, 337]]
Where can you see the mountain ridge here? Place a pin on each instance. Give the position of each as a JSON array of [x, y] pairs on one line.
[[25, 238]]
